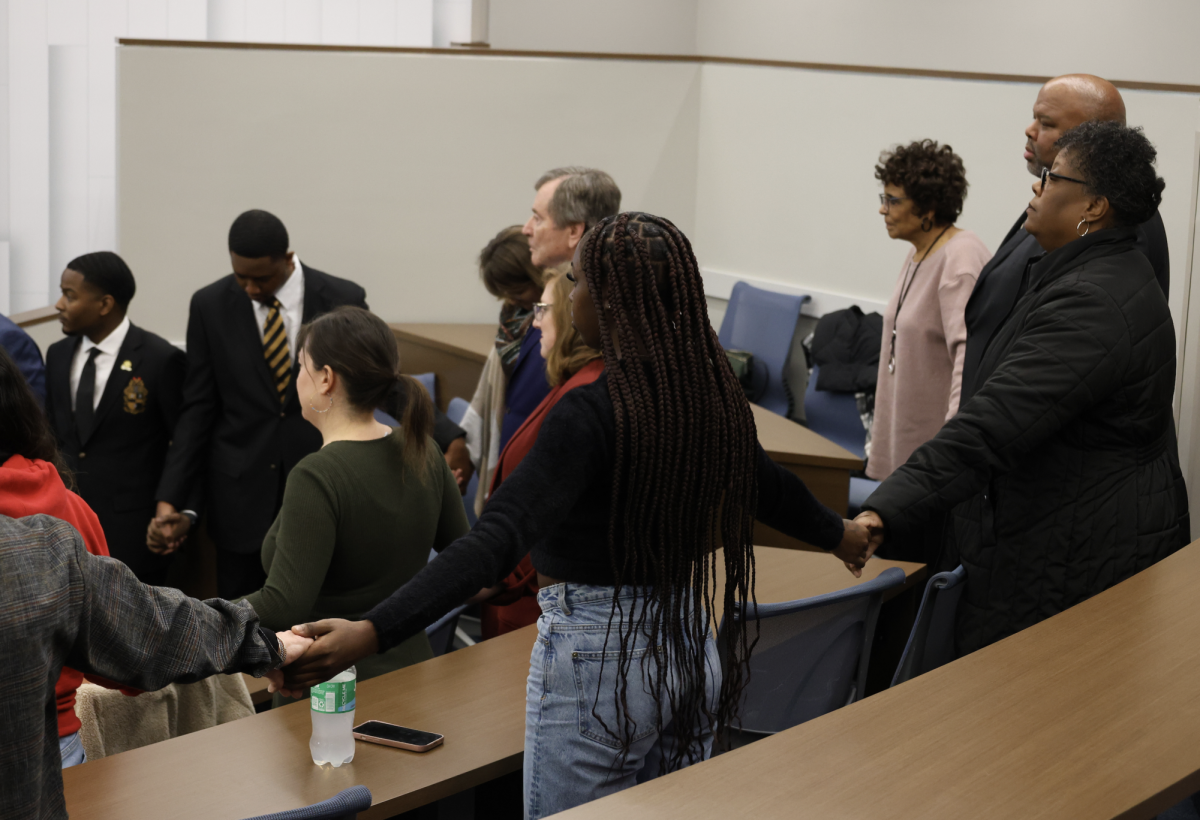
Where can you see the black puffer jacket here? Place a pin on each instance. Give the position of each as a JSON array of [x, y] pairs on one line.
[[1062, 468]]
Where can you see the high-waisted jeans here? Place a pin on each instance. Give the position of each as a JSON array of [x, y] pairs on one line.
[[570, 756]]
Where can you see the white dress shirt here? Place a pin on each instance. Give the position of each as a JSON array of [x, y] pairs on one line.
[[109, 347], [291, 298]]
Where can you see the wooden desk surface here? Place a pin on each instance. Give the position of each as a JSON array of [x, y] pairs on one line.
[[475, 696], [1090, 715], [790, 443]]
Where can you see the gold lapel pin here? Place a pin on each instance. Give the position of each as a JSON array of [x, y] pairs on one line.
[[127, 365]]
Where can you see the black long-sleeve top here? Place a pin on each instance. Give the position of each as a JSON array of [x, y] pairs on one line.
[[556, 506]]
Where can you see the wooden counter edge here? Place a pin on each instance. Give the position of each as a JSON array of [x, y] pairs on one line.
[[847, 462], [417, 339]]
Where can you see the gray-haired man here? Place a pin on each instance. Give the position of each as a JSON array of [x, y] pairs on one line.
[[568, 202]]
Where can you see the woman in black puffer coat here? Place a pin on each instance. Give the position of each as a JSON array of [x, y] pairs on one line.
[[1062, 470]]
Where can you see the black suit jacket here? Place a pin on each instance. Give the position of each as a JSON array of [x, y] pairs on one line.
[[999, 286], [118, 467], [233, 436]]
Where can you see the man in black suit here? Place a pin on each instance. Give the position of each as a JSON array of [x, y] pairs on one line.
[[113, 398], [1062, 104], [241, 431]]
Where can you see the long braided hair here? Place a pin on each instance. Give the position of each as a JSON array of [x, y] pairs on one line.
[[684, 482]]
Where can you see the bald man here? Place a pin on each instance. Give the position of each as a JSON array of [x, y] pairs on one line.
[[1062, 104]]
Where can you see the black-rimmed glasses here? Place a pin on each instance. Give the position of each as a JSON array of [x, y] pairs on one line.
[[888, 202], [1048, 174], [539, 309]]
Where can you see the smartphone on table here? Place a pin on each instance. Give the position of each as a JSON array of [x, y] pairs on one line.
[[401, 737]]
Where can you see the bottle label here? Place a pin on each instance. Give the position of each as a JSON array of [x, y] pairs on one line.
[[332, 698]]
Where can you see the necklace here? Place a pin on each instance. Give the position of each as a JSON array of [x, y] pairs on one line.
[[904, 295]]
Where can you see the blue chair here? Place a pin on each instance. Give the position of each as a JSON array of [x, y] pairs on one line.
[[811, 656], [931, 642], [441, 633], [458, 409], [456, 412], [763, 322], [429, 382], [344, 805], [835, 416]]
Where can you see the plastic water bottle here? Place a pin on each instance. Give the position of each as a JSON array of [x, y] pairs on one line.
[[332, 707]]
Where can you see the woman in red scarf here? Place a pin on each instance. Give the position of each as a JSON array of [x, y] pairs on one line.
[[569, 364]]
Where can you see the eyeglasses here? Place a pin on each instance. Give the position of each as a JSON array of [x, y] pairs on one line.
[[1047, 174], [539, 309], [888, 202]]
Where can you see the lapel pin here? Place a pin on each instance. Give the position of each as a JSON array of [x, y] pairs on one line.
[[127, 365]]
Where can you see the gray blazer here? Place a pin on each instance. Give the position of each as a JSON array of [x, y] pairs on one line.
[[63, 606]]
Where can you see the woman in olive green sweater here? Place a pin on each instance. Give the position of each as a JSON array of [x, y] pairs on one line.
[[360, 515]]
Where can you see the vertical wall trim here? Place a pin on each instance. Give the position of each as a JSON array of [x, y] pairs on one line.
[[68, 165], [29, 155]]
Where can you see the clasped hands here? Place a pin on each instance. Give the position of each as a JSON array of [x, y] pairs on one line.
[[167, 530], [322, 649], [860, 538]]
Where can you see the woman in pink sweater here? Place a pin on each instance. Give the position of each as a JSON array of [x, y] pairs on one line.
[[924, 334]]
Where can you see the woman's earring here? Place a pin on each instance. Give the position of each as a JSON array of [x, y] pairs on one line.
[[1085, 230], [327, 409], [927, 224]]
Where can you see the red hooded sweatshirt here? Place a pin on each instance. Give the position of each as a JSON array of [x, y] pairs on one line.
[[33, 487]]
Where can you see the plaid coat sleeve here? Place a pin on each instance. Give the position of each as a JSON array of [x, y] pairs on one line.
[[148, 637]]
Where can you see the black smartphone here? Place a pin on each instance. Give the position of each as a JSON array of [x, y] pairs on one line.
[[389, 734]]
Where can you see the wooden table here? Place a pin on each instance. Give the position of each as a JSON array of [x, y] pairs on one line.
[[475, 696], [456, 353], [1093, 714]]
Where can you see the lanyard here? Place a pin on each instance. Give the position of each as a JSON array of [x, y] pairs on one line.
[[904, 295]]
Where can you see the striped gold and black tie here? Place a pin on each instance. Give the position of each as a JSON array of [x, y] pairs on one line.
[[275, 348]]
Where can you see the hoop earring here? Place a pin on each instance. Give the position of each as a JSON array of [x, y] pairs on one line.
[[326, 410], [1085, 230], [927, 224]]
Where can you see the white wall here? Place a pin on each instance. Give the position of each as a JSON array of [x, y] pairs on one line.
[[1149, 41], [58, 83], [57, 74], [786, 189], [393, 170], [624, 26]]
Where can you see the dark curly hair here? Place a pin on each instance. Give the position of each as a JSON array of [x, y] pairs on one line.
[[931, 175], [1118, 164]]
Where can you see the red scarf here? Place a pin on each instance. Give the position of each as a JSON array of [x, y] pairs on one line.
[[517, 605]]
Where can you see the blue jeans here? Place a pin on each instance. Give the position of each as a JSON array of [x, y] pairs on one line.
[[571, 757], [70, 748]]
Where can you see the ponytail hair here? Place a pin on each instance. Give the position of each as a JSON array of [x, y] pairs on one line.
[[417, 421], [359, 347]]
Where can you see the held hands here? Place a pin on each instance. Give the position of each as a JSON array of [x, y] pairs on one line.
[[854, 550], [296, 645], [336, 645], [459, 461], [167, 530], [873, 524]]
